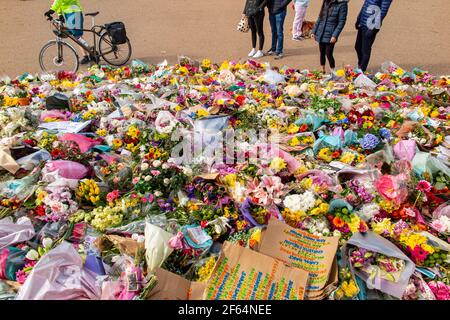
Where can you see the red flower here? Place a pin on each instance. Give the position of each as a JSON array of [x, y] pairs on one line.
[[203, 224], [304, 127], [240, 100], [40, 211]]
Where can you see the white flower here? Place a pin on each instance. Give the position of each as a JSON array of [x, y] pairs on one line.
[[300, 202], [47, 243], [32, 255], [166, 181], [156, 163], [367, 211], [147, 178], [144, 166], [158, 193], [336, 233], [187, 171], [165, 166]]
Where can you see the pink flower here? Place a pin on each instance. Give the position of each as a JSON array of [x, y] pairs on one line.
[[439, 226], [388, 187], [418, 254], [423, 186], [440, 290], [155, 173], [113, 195]]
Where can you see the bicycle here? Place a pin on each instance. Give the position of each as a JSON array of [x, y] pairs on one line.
[[53, 57]]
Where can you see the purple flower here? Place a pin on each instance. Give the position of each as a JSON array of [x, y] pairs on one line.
[[369, 141], [385, 133]]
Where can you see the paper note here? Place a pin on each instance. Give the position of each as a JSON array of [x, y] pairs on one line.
[[302, 250], [244, 274]]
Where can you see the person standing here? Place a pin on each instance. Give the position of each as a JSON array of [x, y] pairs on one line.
[[368, 24], [329, 25], [254, 11], [301, 6], [277, 16]]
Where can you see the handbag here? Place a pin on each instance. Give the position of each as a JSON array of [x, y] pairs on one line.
[[243, 25]]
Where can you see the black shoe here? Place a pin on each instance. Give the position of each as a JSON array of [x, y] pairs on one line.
[[85, 60], [279, 56]]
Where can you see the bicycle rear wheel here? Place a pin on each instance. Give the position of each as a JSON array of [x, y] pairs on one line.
[[114, 54], [58, 56]]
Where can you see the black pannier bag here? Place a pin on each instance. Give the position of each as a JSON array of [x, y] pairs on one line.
[[117, 32]]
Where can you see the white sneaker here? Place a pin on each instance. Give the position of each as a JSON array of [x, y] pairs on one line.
[[252, 53], [259, 54]]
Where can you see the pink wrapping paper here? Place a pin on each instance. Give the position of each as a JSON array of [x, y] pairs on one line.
[[405, 150], [67, 169], [84, 143], [59, 275]]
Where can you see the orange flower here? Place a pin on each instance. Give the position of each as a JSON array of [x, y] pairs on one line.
[[336, 154], [338, 222]]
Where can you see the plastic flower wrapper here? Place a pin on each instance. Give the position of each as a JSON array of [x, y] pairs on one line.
[[15, 232], [65, 278], [157, 247], [375, 243]]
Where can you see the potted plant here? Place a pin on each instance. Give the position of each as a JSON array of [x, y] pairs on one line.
[[24, 99]]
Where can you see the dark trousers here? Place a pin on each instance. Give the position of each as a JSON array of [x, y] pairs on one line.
[[363, 46], [326, 52], [277, 26], [256, 24]]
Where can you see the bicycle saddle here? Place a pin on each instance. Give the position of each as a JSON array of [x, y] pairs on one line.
[[92, 14]]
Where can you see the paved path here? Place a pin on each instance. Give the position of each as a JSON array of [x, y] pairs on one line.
[[415, 33]]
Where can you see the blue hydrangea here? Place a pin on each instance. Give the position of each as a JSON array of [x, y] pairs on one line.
[[385, 133], [369, 141]]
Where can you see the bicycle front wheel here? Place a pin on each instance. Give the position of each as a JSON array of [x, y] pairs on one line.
[[58, 56], [114, 54]]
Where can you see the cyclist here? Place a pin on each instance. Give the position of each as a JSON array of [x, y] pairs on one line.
[[72, 13]]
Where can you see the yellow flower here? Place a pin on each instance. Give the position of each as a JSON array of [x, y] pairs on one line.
[[340, 73], [277, 164], [382, 226], [204, 272], [435, 114], [206, 63], [294, 142], [324, 207], [293, 128], [361, 158], [354, 224], [202, 113], [225, 65], [439, 139], [183, 71], [306, 183], [101, 132], [117, 143], [347, 157], [428, 248], [350, 288], [230, 180], [325, 154]]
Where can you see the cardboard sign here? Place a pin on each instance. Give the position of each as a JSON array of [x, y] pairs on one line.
[[171, 286], [300, 249], [243, 274]]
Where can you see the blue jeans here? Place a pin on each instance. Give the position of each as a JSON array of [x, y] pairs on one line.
[[277, 26]]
